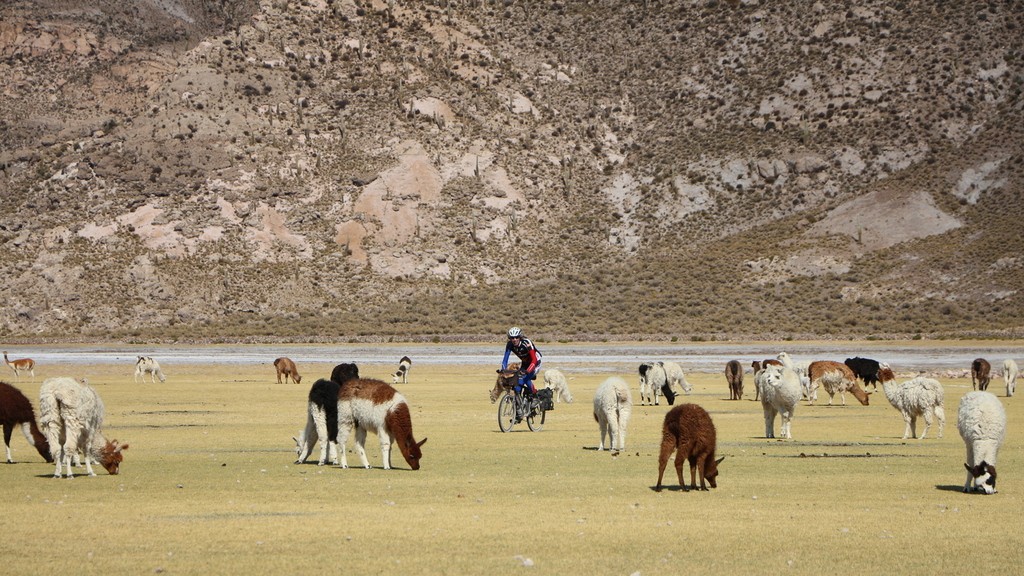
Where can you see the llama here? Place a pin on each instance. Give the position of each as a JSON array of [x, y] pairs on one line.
[[287, 368], [146, 364], [1010, 375], [372, 405], [403, 371], [981, 373], [920, 396], [613, 404], [835, 377], [779, 387], [866, 369], [321, 423], [981, 420], [507, 379], [322, 416], [734, 376], [556, 381], [689, 431], [675, 377], [70, 414], [344, 372], [758, 366], [21, 365], [16, 410], [653, 381], [801, 368]]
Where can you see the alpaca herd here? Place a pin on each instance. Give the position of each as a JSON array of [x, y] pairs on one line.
[[71, 413]]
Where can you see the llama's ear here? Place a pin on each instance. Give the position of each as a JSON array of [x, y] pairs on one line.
[[122, 448], [969, 469], [719, 461], [498, 371], [422, 442]]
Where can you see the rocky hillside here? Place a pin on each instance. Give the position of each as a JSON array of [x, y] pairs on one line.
[[342, 169]]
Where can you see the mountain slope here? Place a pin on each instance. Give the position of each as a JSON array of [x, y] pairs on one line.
[[589, 169]]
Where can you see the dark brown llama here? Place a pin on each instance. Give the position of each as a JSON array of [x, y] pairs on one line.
[[16, 410], [689, 431]]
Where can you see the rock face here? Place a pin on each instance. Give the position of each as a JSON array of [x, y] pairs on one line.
[[222, 166]]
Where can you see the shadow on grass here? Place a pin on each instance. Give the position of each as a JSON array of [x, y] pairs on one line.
[[949, 487]]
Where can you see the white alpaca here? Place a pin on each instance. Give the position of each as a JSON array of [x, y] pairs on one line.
[[652, 378], [70, 414], [1010, 375], [779, 389], [555, 380], [675, 377], [981, 420], [920, 396], [613, 404], [148, 364]]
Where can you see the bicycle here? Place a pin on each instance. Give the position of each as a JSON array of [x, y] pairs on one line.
[[533, 410]]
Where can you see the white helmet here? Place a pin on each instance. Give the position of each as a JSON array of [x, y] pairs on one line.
[[514, 332]]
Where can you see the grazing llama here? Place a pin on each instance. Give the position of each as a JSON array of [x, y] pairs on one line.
[[981, 420], [16, 410], [559, 385], [613, 404], [919, 396], [835, 377], [690, 433], [652, 381], [1010, 375], [285, 367], [321, 423], [21, 365], [734, 376], [981, 373], [372, 405], [70, 414], [403, 371], [322, 416], [148, 364]]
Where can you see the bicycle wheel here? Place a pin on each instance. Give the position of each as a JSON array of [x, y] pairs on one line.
[[536, 418], [506, 412]]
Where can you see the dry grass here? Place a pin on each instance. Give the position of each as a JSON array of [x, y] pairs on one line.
[[209, 487]]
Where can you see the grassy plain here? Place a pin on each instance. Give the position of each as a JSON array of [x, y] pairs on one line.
[[209, 486]]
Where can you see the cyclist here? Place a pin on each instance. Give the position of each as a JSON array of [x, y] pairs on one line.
[[529, 359]]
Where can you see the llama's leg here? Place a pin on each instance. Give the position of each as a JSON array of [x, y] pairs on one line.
[[320, 425], [680, 458], [969, 465], [602, 423], [361, 446], [927, 422], [621, 436], [940, 415], [342, 441], [8, 428], [667, 445], [385, 449], [769, 421], [908, 429], [787, 418]]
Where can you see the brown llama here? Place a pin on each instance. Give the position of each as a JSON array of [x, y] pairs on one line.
[[734, 376], [21, 365], [372, 405], [287, 368], [16, 410], [689, 431], [981, 374]]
